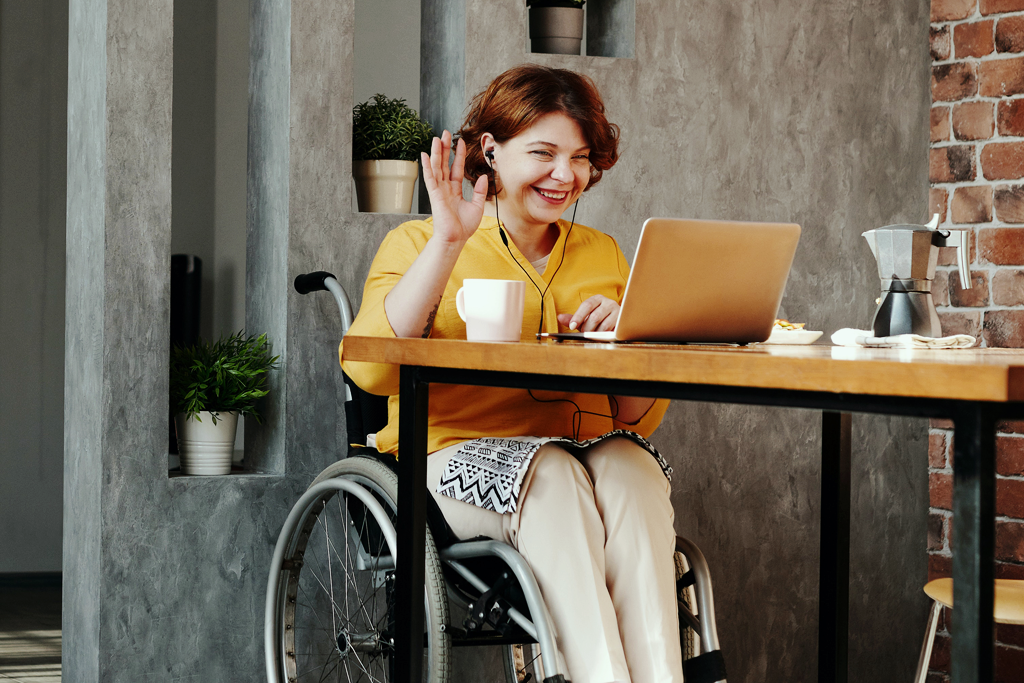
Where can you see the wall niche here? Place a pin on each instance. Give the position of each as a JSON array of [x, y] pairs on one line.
[[601, 28]]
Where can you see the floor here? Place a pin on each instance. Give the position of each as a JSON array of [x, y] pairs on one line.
[[30, 629]]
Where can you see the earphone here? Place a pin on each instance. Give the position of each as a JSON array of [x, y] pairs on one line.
[[504, 239], [577, 418]]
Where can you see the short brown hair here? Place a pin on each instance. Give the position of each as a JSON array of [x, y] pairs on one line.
[[517, 98]]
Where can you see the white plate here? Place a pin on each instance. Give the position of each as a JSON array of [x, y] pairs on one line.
[[793, 337]]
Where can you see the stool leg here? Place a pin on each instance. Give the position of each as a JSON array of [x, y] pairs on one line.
[[929, 640]]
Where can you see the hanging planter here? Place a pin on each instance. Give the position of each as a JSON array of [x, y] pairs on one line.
[[211, 385], [556, 26], [387, 138]]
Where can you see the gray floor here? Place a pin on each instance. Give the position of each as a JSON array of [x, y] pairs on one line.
[[30, 629]]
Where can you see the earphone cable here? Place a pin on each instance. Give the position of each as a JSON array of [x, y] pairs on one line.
[[504, 239], [577, 416]]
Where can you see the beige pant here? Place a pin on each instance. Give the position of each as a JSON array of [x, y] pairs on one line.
[[598, 534]]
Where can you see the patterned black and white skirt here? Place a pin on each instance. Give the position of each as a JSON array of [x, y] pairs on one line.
[[489, 472]]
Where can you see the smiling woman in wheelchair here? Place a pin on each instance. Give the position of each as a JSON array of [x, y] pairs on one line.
[[568, 479]]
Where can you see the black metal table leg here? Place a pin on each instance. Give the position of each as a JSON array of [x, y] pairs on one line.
[[412, 487], [974, 495], [834, 591]]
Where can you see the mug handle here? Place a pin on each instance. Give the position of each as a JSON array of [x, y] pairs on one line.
[[460, 303]]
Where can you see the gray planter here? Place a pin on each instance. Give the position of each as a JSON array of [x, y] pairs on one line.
[[556, 30]]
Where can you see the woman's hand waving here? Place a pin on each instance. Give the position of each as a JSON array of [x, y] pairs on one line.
[[455, 219], [414, 300]]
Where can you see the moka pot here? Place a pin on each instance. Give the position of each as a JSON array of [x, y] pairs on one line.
[[906, 256]]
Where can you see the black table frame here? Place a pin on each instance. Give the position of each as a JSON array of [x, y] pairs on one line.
[[973, 500]]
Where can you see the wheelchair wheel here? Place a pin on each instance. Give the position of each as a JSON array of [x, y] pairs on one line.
[[522, 663], [335, 615]]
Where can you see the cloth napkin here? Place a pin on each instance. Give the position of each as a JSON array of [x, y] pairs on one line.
[[851, 337]]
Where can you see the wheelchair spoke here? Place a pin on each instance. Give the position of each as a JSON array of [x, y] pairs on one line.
[[325, 674], [330, 571], [361, 607], [300, 674], [350, 614], [311, 609], [358, 660], [335, 607], [348, 545]]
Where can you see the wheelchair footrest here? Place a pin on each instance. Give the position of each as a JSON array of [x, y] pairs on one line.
[[706, 668]]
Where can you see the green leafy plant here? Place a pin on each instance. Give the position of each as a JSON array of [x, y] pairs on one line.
[[388, 129], [230, 374]]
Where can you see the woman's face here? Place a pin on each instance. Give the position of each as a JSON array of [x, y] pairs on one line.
[[541, 171]]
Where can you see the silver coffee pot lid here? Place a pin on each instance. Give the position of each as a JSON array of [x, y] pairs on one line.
[[909, 253]]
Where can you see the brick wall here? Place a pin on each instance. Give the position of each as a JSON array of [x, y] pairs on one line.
[[976, 168]]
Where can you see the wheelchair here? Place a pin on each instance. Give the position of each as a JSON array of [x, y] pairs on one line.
[[330, 603]]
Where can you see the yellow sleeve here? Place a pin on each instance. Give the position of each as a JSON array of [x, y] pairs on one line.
[[649, 422], [399, 249], [623, 264]]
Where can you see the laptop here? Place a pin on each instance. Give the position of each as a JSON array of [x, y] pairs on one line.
[[702, 281]]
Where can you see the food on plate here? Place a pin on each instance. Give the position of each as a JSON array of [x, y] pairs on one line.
[[781, 324]]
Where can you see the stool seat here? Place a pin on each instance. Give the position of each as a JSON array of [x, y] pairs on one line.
[[1009, 598]]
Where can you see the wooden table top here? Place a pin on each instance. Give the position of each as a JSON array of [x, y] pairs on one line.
[[964, 374]]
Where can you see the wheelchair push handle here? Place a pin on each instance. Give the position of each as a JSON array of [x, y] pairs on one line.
[[313, 282], [322, 281]]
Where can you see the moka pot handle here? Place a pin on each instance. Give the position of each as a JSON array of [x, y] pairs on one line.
[[961, 240]]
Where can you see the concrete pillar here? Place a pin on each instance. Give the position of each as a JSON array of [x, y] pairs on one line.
[[118, 232], [164, 578]]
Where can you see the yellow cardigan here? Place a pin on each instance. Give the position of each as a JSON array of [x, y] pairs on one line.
[[593, 264]]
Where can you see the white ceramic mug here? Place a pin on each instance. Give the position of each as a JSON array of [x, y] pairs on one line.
[[492, 309]]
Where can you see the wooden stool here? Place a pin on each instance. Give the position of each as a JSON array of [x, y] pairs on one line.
[[1008, 609]]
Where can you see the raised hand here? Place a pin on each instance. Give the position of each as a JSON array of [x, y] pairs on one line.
[[455, 219]]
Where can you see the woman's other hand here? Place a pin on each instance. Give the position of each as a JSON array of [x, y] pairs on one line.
[[455, 219], [598, 313]]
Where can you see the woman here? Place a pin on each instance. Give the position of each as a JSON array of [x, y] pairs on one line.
[[570, 481]]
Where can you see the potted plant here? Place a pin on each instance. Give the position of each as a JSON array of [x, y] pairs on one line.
[[387, 138], [211, 385], [556, 26]]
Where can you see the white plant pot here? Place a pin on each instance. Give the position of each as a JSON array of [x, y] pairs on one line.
[[385, 185], [204, 447]]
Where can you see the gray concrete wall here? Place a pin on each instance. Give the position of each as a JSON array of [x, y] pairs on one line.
[[386, 50], [33, 125], [210, 120], [231, 125]]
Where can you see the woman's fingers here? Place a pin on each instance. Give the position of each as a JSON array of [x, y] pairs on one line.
[[480, 192], [459, 165], [446, 153], [608, 321], [435, 161], [596, 313], [428, 172]]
